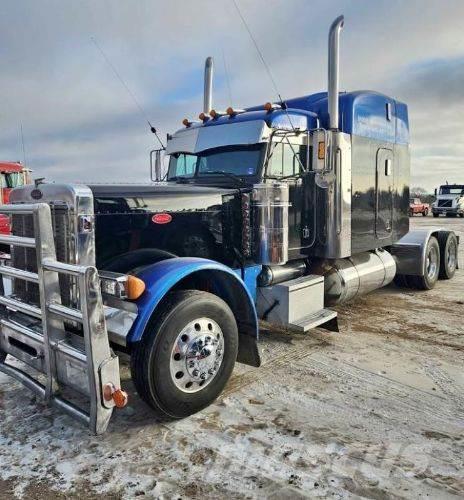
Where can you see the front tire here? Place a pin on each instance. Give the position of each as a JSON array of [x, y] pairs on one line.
[[186, 355], [448, 255]]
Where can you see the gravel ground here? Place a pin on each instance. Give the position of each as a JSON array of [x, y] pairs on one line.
[[376, 411]]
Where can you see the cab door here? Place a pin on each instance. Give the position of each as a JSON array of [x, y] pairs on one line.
[[285, 167], [384, 193]]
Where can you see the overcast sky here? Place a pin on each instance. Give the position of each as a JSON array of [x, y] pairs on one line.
[[80, 124]]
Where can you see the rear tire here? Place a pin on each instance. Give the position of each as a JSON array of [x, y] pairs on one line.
[[448, 254], [175, 368], [431, 267]]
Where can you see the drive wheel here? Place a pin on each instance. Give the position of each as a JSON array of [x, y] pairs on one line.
[[431, 266], [448, 255], [186, 355]]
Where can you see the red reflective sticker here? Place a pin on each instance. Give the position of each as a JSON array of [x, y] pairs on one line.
[[161, 218]]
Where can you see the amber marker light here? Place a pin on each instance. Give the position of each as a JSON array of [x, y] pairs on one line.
[[321, 150], [118, 396], [134, 287]]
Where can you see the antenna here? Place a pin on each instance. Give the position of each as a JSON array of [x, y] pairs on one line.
[[22, 143], [131, 94], [227, 76], [266, 66]]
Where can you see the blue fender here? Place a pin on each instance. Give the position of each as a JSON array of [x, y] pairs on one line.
[[161, 277]]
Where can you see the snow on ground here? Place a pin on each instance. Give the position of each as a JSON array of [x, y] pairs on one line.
[[376, 411]]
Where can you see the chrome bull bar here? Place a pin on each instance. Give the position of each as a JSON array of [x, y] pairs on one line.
[[85, 364]]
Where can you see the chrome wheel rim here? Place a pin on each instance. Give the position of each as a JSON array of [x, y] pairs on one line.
[[451, 255], [197, 355], [432, 263]]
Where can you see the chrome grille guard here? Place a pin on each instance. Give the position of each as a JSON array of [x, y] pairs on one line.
[[86, 364]]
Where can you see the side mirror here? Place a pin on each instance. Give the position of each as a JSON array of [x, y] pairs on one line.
[[157, 177], [435, 191]]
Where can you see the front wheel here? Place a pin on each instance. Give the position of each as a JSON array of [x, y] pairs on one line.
[[186, 355]]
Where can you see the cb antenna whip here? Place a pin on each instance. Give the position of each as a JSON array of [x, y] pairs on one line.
[[260, 54], [131, 94]]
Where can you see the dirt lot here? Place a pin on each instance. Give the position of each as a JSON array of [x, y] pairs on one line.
[[376, 411]]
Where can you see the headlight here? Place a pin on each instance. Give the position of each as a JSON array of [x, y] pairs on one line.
[[122, 286]]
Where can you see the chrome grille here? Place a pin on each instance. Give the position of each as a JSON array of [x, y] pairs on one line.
[[25, 258]]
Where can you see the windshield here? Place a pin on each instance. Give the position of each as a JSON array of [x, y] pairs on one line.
[[234, 160], [14, 179], [452, 190]]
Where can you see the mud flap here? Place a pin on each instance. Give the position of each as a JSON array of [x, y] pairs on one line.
[[248, 350]]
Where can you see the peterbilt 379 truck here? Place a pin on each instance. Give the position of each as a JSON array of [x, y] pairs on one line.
[[274, 212]]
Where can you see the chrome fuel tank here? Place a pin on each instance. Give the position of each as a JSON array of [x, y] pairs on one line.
[[345, 279], [270, 223]]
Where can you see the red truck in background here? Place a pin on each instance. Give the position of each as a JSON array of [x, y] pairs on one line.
[[417, 207], [12, 174]]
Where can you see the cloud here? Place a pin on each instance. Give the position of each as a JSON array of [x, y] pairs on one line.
[[79, 122]]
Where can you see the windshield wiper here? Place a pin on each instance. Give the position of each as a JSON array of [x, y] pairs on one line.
[[235, 177]]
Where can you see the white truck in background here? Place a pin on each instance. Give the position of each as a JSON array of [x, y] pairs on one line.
[[450, 201]]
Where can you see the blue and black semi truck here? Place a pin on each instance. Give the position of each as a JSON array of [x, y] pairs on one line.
[[274, 212]]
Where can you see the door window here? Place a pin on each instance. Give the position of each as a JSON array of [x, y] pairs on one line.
[[285, 160]]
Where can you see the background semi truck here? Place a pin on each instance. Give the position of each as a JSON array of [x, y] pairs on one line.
[[12, 175], [450, 201], [277, 211]]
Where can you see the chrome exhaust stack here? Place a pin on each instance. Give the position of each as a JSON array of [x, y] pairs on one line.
[[333, 71], [208, 89]]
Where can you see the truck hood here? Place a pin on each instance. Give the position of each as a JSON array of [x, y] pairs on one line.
[[160, 197]]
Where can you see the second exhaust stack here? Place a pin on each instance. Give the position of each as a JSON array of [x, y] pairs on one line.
[[334, 73], [208, 90]]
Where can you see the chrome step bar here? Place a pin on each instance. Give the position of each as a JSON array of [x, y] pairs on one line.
[[86, 364]]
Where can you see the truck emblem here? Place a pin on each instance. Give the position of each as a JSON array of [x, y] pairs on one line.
[[161, 218], [36, 194]]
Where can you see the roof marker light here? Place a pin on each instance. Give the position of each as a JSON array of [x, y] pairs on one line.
[[269, 107], [232, 112]]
